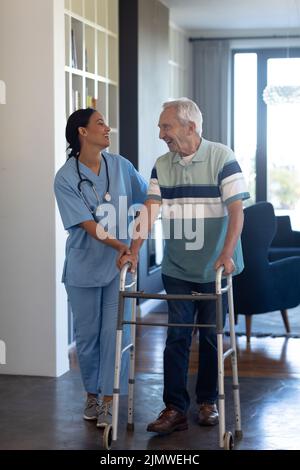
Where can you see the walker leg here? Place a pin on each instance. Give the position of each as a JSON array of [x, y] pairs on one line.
[[221, 390], [116, 391], [131, 381], [235, 378]]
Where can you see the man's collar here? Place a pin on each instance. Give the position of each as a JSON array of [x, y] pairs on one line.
[[200, 155]]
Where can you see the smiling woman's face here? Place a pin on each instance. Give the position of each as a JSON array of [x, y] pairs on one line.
[[97, 132]]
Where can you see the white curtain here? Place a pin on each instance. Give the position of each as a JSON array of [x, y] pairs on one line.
[[211, 81]]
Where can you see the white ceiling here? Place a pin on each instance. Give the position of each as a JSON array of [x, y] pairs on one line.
[[227, 15]]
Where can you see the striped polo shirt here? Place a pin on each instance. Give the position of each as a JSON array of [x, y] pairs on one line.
[[195, 195]]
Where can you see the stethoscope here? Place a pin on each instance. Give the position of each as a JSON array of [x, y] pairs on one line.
[[107, 196]]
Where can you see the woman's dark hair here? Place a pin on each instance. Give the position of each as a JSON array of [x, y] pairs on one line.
[[79, 118]]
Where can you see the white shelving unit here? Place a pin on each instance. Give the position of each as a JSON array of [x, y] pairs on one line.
[[91, 62]]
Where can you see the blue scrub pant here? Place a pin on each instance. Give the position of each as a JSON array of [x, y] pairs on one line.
[[176, 353], [95, 311]]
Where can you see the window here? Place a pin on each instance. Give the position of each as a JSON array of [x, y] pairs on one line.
[[283, 169], [265, 137]]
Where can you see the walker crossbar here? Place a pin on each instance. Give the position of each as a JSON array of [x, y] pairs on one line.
[[182, 325], [194, 297]]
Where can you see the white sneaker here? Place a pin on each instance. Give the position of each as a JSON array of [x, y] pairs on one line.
[[104, 414], [91, 409]]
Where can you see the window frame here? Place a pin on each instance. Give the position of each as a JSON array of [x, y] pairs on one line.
[[263, 54]]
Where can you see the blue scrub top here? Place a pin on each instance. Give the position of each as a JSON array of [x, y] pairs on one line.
[[91, 263]]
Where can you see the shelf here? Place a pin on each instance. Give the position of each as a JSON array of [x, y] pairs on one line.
[[77, 92], [113, 16], [90, 100], [101, 47], [67, 40], [89, 49], [90, 10], [101, 6], [77, 7], [91, 59], [101, 101], [113, 59], [77, 44]]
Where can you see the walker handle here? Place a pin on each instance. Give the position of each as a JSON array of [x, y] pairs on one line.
[[219, 279], [123, 273]]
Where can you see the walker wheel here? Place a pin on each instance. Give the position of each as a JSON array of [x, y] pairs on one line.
[[107, 437], [228, 441]]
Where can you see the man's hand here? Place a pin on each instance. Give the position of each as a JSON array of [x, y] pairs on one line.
[[227, 262], [128, 258]]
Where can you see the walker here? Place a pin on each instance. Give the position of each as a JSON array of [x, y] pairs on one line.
[[226, 440]]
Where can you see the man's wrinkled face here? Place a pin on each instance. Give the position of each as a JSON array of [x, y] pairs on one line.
[[172, 131]]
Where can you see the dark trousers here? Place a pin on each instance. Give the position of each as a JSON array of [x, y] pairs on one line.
[[176, 353]]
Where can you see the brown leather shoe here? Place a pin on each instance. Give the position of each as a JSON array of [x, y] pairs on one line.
[[208, 414], [168, 420]]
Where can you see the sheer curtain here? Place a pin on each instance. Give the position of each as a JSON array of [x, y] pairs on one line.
[[211, 81]]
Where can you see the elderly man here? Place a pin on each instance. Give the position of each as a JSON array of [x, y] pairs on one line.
[[206, 176]]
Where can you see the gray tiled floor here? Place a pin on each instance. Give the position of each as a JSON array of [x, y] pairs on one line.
[[45, 413]]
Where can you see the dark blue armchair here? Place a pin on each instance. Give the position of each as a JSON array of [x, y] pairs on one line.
[[286, 242], [264, 286]]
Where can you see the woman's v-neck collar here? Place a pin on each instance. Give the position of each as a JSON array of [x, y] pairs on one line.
[[90, 173]]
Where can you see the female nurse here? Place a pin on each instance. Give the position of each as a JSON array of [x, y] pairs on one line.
[[94, 183]]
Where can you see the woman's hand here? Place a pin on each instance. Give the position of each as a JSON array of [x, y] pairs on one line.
[[123, 250], [128, 258]]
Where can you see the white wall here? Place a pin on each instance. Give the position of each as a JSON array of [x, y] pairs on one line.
[[153, 56], [33, 307], [180, 63]]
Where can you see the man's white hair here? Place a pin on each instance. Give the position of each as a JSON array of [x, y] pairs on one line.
[[187, 111]]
